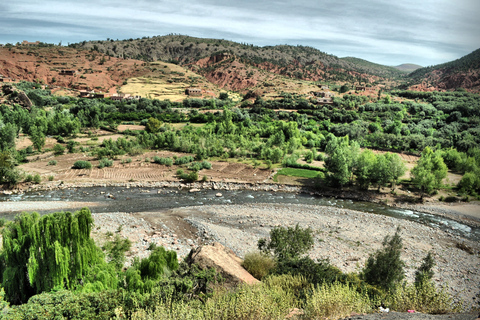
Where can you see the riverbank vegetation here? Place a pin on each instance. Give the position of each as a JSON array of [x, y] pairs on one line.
[[50, 268], [440, 126]]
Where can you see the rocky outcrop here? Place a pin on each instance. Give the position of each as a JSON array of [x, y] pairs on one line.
[[224, 261]]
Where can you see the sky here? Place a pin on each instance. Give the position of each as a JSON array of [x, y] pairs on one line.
[[424, 32]]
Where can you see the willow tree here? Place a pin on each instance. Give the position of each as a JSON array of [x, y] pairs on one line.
[[54, 251]]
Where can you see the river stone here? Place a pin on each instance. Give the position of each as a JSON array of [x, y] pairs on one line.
[[218, 195]]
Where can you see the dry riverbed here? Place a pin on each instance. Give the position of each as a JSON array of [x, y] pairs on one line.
[[345, 237]]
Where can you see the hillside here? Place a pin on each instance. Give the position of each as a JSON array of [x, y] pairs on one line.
[[243, 65], [460, 73], [92, 70]]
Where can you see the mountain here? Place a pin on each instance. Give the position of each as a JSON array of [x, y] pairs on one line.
[[460, 73], [408, 67], [240, 67]]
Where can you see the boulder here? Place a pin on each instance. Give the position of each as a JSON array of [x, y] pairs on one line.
[[224, 261]]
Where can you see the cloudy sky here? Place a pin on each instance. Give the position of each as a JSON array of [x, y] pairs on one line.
[[424, 32]]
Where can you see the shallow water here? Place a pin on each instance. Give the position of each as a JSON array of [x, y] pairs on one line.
[[122, 199]]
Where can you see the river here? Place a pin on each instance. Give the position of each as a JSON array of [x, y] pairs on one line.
[[124, 199]]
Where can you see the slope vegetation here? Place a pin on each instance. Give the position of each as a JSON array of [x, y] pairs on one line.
[[460, 73]]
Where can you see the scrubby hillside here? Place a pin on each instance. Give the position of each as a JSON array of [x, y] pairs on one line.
[[460, 73], [72, 68], [242, 64]]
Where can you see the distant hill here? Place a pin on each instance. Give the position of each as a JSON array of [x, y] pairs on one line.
[[374, 68], [408, 67], [460, 73], [240, 66]]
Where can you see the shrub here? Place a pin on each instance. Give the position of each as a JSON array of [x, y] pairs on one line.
[[287, 242], [129, 160], [163, 161], [425, 271], [105, 163], [52, 162], [28, 178], [424, 298], [197, 166], [258, 264], [385, 268], [37, 179], [183, 160], [50, 178], [58, 149], [71, 146], [82, 164], [335, 301]]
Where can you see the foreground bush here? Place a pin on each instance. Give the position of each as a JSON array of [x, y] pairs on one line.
[[424, 297], [245, 302], [82, 164], [335, 301], [258, 264]]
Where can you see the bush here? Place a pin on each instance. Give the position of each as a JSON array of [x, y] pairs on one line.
[[163, 161], [425, 298], [425, 271], [385, 268], [184, 160], [28, 178], [58, 149], [334, 301], [50, 178], [82, 164], [37, 179], [258, 264], [287, 242], [52, 162], [105, 163], [197, 166], [71, 146]]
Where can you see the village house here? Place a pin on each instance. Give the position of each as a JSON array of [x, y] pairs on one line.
[[324, 94], [193, 92], [30, 44], [101, 95], [124, 96], [68, 72], [363, 88], [5, 79], [86, 94], [324, 100]]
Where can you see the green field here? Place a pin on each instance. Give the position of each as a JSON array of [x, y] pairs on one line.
[[303, 173]]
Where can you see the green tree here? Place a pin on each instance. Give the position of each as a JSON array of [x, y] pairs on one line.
[[429, 172], [116, 249], [425, 272], [364, 169], [287, 243], [8, 173], [385, 268], [37, 137], [54, 251], [342, 158], [8, 133], [153, 125]]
